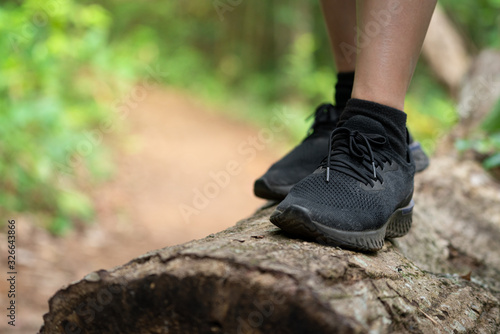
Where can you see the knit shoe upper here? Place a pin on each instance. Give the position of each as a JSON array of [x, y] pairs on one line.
[[305, 158], [361, 193]]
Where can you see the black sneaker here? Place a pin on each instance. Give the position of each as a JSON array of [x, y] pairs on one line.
[[361, 193], [421, 159], [303, 159]]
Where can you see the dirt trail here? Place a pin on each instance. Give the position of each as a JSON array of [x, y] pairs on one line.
[[172, 146]]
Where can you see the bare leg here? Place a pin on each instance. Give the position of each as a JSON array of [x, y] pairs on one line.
[[340, 18], [390, 36]]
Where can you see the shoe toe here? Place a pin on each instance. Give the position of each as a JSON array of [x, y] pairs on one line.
[[265, 189]]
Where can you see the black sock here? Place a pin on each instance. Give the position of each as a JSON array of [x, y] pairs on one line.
[[343, 88], [392, 119]]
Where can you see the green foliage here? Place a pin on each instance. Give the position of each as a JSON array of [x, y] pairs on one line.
[[431, 112], [478, 19], [55, 62], [261, 54], [63, 60], [491, 123]]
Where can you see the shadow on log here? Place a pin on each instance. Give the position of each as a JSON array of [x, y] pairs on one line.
[[443, 277]]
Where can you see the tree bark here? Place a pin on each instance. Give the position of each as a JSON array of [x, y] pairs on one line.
[[443, 277]]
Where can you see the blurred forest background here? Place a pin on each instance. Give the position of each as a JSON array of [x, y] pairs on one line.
[[80, 78], [63, 62]]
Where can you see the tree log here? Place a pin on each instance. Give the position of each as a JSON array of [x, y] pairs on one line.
[[443, 277]]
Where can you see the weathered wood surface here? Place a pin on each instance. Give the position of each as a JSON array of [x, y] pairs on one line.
[[441, 278]]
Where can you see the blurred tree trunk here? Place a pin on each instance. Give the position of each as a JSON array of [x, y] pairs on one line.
[[443, 277], [480, 89], [446, 52]]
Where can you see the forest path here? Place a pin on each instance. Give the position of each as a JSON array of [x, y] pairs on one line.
[[163, 157]]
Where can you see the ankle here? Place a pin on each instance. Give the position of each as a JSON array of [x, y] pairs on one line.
[[392, 119], [343, 88], [369, 93]]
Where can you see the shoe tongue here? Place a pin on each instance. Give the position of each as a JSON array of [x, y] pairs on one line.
[[365, 125], [326, 113]]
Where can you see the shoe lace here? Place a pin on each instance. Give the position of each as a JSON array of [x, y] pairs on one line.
[[319, 117], [359, 145]]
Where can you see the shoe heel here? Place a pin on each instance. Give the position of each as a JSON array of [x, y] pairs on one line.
[[400, 221]]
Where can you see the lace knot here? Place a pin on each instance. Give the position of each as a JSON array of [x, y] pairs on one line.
[[360, 146]]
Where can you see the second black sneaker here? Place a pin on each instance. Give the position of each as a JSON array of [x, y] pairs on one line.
[[361, 193], [302, 160]]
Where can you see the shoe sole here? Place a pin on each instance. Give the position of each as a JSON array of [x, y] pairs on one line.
[[263, 190], [297, 220]]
